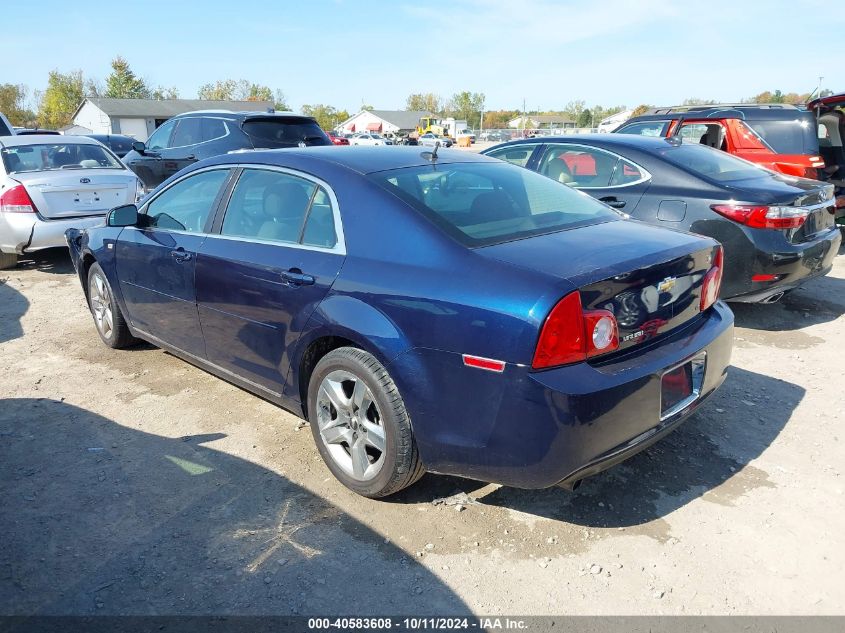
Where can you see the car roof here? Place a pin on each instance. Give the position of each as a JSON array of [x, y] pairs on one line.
[[775, 112], [243, 115], [359, 158], [45, 139], [645, 143]]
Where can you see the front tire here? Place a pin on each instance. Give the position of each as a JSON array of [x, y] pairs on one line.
[[111, 326], [360, 424]]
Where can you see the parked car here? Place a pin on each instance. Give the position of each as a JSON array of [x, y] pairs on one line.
[[49, 184], [780, 137], [430, 139], [118, 143], [23, 131], [6, 128], [778, 231], [830, 114], [187, 138], [369, 138], [335, 138], [417, 309]]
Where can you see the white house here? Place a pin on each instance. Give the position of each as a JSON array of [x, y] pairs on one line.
[[139, 117], [382, 121]]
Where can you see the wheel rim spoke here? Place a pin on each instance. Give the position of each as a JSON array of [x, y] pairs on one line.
[[374, 435], [336, 435], [334, 392], [360, 461], [361, 398]]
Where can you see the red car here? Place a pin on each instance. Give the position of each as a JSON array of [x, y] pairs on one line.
[[780, 137], [337, 140]]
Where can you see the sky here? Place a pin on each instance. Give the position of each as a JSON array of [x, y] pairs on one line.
[[347, 53]]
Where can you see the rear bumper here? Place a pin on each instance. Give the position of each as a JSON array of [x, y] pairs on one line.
[[793, 263], [26, 232], [538, 429]]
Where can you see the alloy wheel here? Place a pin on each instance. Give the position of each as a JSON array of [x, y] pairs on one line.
[[350, 425], [98, 290]]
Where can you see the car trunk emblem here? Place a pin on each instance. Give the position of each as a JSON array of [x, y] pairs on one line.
[[84, 181]]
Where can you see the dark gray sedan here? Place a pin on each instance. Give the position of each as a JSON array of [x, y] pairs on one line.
[[777, 230]]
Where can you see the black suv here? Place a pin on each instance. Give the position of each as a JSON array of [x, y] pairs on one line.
[[193, 136]]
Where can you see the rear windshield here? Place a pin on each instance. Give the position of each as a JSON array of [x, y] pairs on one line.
[[788, 137], [709, 163], [480, 204], [53, 156], [284, 132]]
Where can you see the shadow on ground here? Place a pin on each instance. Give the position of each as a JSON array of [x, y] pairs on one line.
[[819, 301], [101, 519], [707, 456], [13, 305], [50, 260]]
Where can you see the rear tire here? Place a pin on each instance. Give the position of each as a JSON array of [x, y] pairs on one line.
[[108, 319], [360, 424], [8, 260]]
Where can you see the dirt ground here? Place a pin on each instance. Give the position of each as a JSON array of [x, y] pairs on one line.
[[132, 482]]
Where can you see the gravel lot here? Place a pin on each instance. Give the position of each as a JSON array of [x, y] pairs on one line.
[[132, 482]]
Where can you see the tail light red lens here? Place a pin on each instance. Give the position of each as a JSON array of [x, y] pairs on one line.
[[16, 200], [712, 283], [572, 334], [763, 217]]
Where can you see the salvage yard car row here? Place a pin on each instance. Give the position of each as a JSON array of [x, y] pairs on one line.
[[431, 310]]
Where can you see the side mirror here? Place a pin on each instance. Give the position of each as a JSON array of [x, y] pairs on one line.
[[126, 215], [139, 147]]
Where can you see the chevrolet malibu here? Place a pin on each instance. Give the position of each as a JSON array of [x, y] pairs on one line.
[[49, 184], [433, 312]]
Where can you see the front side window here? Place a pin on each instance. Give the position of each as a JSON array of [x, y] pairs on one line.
[[579, 166], [160, 139], [186, 205], [517, 155], [645, 128], [23, 158], [279, 207], [188, 132], [481, 203]]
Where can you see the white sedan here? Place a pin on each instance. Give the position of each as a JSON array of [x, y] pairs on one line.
[[369, 139], [49, 184]]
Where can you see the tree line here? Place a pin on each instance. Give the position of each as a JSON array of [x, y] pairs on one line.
[[54, 107]]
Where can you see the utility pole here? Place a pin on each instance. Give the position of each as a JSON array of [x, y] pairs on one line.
[[819, 89]]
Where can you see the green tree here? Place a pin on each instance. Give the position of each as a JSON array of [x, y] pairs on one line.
[[63, 95], [123, 83], [641, 109], [467, 105], [327, 116], [695, 101], [428, 101], [367, 107], [585, 119], [242, 90], [221, 90], [574, 109], [161, 93], [13, 103]]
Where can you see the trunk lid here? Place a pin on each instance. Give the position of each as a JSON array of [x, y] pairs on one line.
[[649, 277], [68, 193]]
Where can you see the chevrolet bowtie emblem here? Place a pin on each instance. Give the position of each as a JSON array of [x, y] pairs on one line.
[[666, 285]]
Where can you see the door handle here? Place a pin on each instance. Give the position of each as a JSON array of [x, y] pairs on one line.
[[613, 202], [191, 157], [296, 277], [180, 255]]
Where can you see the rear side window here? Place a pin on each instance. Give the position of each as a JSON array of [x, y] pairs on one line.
[[579, 166], [645, 128], [280, 207], [284, 132], [481, 203], [212, 129], [515, 155], [186, 205], [798, 136]]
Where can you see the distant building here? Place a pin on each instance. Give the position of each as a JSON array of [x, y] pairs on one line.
[[382, 121], [138, 118], [541, 121], [74, 130], [614, 121]]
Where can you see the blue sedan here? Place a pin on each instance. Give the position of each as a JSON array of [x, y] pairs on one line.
[[450, 313]]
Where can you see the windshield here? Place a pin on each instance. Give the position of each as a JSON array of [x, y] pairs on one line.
[[48, 157], [788, 137], [711, 164], [480, 204]]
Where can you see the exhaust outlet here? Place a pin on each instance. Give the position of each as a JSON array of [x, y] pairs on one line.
[[774, 298]]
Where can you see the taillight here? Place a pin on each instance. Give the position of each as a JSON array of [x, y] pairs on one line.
[[16, 200], [763, 217], [572, 334], [712, 281]]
